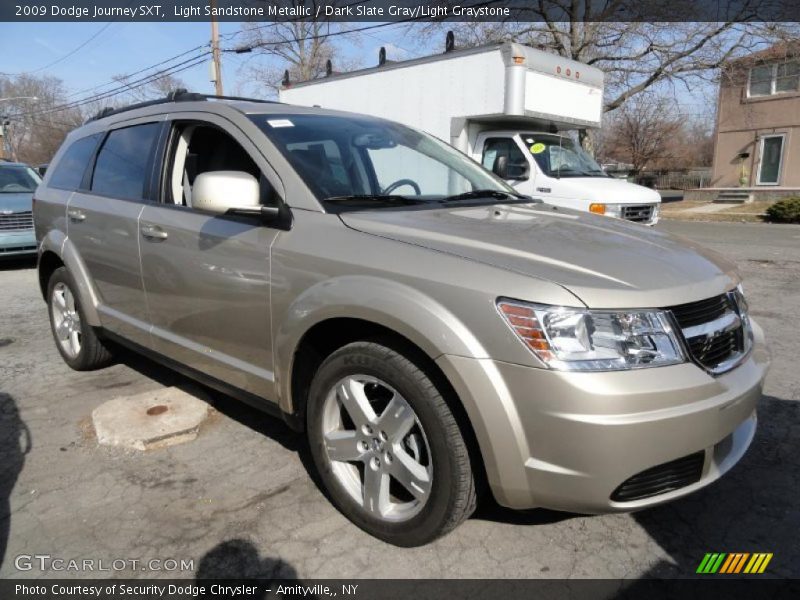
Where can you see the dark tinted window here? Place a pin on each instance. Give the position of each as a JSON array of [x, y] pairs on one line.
[[14, 179], [121, 167], [68, 173]]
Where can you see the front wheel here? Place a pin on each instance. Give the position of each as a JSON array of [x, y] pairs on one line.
[[75, 339], [387, 446]]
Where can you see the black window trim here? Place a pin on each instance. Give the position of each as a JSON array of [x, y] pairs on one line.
[[89, 165]]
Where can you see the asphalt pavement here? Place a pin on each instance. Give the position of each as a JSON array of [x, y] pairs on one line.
[[239, 501]]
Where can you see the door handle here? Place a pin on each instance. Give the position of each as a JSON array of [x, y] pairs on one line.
[[76, 215], [153, 232]]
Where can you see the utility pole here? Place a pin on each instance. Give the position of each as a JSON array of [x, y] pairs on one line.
[[215, 50]]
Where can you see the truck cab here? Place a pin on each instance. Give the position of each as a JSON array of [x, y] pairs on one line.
[[555, 168]]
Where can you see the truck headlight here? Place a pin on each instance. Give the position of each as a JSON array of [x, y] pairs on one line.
[[576, 339]]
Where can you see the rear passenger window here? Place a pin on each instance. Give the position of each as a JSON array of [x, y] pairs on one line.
[[68, 173], [121, 169]]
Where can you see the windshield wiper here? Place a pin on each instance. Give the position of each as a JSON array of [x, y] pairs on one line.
[[500, 195], [375, 200]]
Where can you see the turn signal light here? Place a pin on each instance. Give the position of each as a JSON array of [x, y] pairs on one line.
[[598, 209], [523, 320]]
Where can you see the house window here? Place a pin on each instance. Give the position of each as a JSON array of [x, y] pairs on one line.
[[766, 80], [769, 167]]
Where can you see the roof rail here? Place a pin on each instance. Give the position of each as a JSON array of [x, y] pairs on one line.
[[179, 95]]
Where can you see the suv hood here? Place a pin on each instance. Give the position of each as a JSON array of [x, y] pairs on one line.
[[16, 202], [606, 262], [607, 190]]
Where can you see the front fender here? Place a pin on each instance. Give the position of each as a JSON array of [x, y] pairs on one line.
[[56, 242], [403, 309]]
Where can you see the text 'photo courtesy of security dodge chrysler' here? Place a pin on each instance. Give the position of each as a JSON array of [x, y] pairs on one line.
[[428, 328]]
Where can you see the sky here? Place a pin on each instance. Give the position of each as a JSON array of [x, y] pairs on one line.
[[120, 48]]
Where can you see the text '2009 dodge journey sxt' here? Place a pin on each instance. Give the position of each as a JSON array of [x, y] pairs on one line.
[[427, 327]]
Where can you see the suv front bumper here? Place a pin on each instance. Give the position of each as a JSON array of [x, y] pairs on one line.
[[17, 243], [568, 441]]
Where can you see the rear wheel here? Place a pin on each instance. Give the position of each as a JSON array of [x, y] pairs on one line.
[[387, 446], [75, 339]]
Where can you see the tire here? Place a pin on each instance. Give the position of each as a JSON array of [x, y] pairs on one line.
[[81, 349], [406, 477]]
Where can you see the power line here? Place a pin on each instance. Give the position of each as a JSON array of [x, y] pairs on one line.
[[187, 64], [128, 75]]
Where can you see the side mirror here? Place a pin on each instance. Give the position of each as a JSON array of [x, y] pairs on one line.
[[220, 191], [515, 172]]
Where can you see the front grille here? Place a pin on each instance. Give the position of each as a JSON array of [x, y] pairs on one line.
[[16, 221], [640, 213], [696, 313], [661, 479], [712, 352], [712, 329], [17, 249]]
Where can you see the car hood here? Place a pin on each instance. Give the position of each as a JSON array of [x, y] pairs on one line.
[[16, 202], [607, 190], [606, 262]]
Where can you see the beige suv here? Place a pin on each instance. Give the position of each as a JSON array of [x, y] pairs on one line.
[[427, 327]]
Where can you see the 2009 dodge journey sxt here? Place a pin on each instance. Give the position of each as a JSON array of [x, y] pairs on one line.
[[428, 328]]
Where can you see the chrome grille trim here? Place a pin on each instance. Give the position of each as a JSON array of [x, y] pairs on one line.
[[18, 221], [714, 332], [638, 213]]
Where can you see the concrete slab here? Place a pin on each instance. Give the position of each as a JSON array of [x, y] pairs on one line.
[[708, 208], [150, 420]]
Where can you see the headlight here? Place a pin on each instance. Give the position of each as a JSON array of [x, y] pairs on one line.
[[742, 308], [575, 339]]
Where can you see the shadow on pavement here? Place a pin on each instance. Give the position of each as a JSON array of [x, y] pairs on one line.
[[17, 264], [238, 560], [15, 443]]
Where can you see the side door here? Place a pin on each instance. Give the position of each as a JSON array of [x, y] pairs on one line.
[[206, 276], [520, 172], [102, 222]]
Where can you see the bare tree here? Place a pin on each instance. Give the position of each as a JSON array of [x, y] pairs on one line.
[[33, 134], [303, 47], [643, 132]]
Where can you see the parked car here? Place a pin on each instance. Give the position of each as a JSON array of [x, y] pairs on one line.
[[17, 184], [424, 342], [41, 169]]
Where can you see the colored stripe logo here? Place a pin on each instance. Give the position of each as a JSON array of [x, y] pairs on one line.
[[734, 562]]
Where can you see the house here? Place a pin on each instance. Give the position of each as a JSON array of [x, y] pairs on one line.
[[757, 146]]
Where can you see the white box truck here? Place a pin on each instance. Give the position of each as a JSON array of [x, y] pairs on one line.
[[508, 106]]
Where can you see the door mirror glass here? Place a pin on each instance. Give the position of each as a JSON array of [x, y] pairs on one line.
[[513, 171], [223, 191]]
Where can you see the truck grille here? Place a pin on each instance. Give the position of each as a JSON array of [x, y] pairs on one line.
[[713, 330], [15, 221], [639, 213], [661, 479]]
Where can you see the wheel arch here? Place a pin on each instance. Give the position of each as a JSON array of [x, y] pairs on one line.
[[57, 250]]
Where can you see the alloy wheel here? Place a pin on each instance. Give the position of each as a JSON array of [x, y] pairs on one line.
[[377, 448]]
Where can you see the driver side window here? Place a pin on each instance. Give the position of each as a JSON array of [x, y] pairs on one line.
[[494, 148], [201, 148]]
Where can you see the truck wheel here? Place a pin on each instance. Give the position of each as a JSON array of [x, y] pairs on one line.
[[75, 338], [387, 447]]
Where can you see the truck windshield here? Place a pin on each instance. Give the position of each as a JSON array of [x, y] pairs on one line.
[[361, 162], [559, 156], [15, 179]]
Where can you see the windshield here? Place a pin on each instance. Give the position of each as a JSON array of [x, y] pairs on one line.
[[365, 162], [559, 156], [17, 179]]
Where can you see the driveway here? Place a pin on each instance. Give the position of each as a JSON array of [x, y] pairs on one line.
[[239, 501]]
